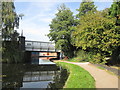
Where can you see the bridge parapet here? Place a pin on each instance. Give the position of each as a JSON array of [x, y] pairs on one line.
[[40, 46]]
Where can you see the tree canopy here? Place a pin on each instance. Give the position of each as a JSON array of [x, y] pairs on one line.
[[85, 7], [92, 31], [61, 29], [114, 11], [10, 19], [97, 33]]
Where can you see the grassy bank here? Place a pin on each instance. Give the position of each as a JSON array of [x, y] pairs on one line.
[[77, 59], [78, 78]]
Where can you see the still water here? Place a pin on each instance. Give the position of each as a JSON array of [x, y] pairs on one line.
[[21, 76]]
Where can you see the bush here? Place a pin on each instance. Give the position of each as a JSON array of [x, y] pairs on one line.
[[84, 56]]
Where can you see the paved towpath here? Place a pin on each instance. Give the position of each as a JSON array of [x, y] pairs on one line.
[[103, 79]]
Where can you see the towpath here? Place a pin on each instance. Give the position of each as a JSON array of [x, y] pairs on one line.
[[102, 78]]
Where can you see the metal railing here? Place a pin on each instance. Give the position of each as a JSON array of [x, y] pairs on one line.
[[39, 46]]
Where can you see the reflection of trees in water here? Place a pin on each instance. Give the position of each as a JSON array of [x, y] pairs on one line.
[[59, 80], [13, 75]]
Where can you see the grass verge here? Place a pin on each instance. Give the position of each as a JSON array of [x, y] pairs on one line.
[[101, 68], [108, 71], [78, 77], [78, 59]]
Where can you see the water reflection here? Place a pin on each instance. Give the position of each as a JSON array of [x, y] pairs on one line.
[[59, 79], [40, 61], [38, 79], [21, 76], [35, 60]]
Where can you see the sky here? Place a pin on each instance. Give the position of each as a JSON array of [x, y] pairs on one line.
[[39, 14]]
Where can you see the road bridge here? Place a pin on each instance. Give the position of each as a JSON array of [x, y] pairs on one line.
[[42, 50]]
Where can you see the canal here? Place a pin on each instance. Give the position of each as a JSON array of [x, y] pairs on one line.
[[33, 75]]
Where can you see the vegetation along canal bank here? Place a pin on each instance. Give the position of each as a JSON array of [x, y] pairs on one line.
[[78, 77]]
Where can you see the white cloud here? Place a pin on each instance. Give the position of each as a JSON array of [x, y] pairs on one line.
[[36, 24], [44, 6], [41, 17], [34, 31], [45, 11]]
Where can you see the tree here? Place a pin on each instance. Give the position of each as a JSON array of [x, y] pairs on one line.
[[98, 34], [85, 7], [61, 28], [10, 20], [114, 11]]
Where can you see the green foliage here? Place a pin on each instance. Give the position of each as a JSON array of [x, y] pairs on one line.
[[115, 9], [10, 20], [61, 29], [82, 56], [98, 34], [78, 78], [105, 13], [85, 7], [11, 54]]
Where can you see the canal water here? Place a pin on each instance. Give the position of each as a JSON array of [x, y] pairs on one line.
[[22, 76]]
